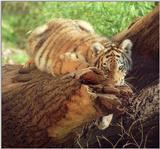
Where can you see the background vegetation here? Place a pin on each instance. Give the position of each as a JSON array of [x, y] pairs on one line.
[[19, 18]]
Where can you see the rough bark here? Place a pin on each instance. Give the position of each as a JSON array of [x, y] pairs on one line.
[[39, 110]]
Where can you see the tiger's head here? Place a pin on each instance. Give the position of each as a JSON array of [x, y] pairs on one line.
[[114, 60]]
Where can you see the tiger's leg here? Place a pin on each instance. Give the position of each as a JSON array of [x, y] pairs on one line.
[[125, 90], [72, 61], [27, 67]]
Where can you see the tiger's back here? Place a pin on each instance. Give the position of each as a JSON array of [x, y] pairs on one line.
[[61, 40]]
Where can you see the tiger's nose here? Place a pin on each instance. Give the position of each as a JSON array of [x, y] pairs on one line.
[[113, 64], [114, 69]]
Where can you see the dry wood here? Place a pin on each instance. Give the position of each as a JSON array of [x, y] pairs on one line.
[[40, 110]]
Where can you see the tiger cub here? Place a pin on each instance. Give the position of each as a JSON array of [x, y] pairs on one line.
[[63, 45]]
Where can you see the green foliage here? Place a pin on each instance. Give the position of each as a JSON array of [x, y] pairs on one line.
[[108, 18]]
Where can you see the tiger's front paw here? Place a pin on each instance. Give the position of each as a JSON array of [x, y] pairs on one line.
[[125, 91], [69, 56], [72, 61], [72, 56]]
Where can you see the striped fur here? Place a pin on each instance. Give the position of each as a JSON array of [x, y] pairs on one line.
[[62, 46]]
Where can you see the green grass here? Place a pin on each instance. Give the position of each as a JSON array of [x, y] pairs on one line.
[[108, 18]]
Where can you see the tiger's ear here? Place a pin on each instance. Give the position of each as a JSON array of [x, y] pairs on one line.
[[97, 48], [126, 46]]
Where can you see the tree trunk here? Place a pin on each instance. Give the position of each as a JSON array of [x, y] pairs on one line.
[[39, 110]]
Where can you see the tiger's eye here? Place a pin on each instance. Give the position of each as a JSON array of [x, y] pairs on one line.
[[104, 64]]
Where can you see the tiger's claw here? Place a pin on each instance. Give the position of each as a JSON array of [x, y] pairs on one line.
[[125, 91]]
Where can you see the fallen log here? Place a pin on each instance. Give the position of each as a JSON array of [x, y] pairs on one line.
[[40, 110]]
